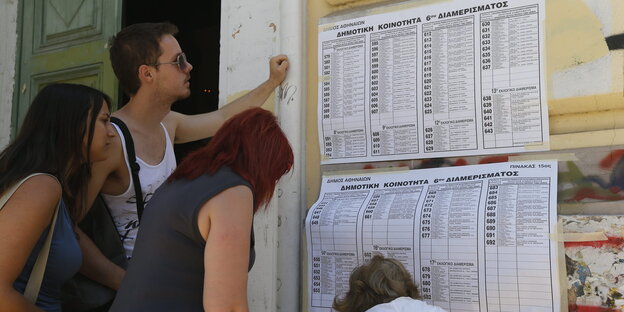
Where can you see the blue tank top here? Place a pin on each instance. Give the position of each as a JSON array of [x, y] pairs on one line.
[[64, 261]]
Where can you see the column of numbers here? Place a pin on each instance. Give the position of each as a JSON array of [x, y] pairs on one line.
[[316, 215], [427, 85], [376, 143], [367, 224], [490, 216], [425, 236], [374, 81], [316, 260], [425, 220], [316, 278], [486, 67], [370, 208], [425, 278], [374, 94], [327, 101], [491, 232]]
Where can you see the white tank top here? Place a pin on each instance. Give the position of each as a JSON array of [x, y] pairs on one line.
[[123, 207]]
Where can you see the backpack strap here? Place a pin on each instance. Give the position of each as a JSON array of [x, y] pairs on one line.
[[134, 166]]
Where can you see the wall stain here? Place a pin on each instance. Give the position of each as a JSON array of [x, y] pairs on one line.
[[237, 31]]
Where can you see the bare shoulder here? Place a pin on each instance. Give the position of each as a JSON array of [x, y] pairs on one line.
[[227, 208], [41, 184], [40, 192], [171, 122], [172, 119], [232, 198], [22, 221]]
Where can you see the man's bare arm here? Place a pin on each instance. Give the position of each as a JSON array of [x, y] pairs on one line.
[[94, 264], [195, 127], [103, 171]]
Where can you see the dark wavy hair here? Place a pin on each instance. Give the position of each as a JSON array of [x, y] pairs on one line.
[[250, 143], [52, 140], [381, 280], [136, 45]]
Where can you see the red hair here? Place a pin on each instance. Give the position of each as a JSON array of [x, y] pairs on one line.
[[250, 143]]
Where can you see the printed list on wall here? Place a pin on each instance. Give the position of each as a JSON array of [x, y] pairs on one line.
[[475, 238], [451, 79]]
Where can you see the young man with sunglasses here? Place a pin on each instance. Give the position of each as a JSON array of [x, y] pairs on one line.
[[154, 72]]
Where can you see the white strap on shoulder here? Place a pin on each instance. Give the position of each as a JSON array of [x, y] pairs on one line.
[[5, 197], [36, 275]]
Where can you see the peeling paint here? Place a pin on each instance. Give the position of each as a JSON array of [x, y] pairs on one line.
[[600, 76], [272, 25], [573, 35], [577, 61]]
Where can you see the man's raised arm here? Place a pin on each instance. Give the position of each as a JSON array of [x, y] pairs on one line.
[[201, 126]]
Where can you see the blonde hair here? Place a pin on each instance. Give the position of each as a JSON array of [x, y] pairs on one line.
[[381, 280]]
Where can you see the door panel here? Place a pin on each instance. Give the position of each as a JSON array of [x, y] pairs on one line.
[[65, 41]]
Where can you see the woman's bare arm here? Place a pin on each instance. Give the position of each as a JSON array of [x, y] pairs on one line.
[[226, 255], [22, 221]]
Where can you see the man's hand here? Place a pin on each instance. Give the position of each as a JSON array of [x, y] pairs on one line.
[[194, 127], [278, 65]]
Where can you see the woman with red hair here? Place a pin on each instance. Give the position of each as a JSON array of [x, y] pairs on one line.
[[195, 244]]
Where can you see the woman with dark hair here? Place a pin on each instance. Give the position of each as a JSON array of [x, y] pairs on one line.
[[65, 130], [382, 285], [195, 244]]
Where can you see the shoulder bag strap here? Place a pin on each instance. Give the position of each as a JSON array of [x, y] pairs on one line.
[[134, 166], [5, 197], [36, 275]]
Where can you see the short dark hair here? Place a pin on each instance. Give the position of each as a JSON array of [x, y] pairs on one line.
[[51, 140], [250, 143], [136, 45], [381, 280]]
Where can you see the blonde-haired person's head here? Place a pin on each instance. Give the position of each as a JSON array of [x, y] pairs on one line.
[[381, 280]]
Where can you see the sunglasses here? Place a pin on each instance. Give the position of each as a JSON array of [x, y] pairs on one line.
[[181, 61]]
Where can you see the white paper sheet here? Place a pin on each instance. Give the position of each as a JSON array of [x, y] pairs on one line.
[[457, 78], [475, 238]]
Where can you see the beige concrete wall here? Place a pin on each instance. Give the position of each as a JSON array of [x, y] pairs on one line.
[[8, 33]]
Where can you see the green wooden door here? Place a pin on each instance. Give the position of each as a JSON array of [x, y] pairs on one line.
[[65, 41]]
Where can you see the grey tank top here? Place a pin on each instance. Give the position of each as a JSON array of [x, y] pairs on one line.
[[166, 272]]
